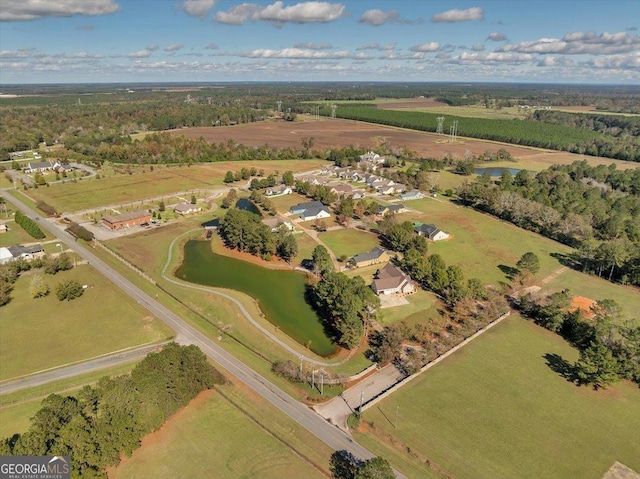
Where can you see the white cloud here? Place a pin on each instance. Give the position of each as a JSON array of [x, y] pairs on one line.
[[477, 48], [173, 48], [211, 46], [197, 8], [496, 37], [408, 56], [313, 46], [493, 58], [551, 61], [276, 13], [14, 54], [153, 47], [426, 47], [621, 62], [25, 10], [139, 54], [579, 43], [455, 15], [84, 54], [379, 17], [295, 53], [376, 46]]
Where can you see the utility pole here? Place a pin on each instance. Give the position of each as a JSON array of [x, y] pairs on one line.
[[313, 378], [361, 399], [397, 409]]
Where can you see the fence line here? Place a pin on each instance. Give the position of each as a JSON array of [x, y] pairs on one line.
[[130, 265]]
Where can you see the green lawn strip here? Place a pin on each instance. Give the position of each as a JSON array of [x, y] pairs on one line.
[[143, 183], [213, 438], [284, 202], [25, 197], [306, 244], [590, 286], [38, 334], [481, 243], [16, 235], [419, 303], [495, 409], [16, 408], [349, 241]]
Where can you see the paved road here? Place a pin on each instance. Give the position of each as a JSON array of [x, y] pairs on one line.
[[330, 435], [84, 367]]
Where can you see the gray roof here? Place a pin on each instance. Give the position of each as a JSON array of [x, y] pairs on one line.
[[411, 194], [427, 230], [18, 250], [303, 207], [182, 207], [314, 210], [375, 253], [40, 164]]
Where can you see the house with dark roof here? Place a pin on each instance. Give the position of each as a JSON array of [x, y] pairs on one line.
[[376, 255], [392, 280], [25, 252], [397, 209], [431, 232], [310, 210], [39, 166]]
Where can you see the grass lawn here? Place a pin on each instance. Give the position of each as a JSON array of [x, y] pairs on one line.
[[142, 183], [213, 438], [481, 243], [495, 410], [284, 202], [16, 235], [349, 241], [43, 333], [306, 244]]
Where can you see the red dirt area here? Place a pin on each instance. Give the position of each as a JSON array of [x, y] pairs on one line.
[[412, 103], [583, 304]]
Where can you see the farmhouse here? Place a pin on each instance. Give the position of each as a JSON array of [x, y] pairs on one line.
[[311, 210], [411, 195], [376, 255], [186, 208], [431, 232], [392, 280], [276, 222], [279, 190], [126, 220]]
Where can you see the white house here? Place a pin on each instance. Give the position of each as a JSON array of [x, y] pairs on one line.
[[372, 157], [392, 280], [311, 210], [279, 190], [412, 195], [5, 255], [277, 222], [186, 208], [431, 232]]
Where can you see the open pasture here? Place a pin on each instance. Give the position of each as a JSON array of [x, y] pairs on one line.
[[143, 183], [44, 333], [349, 242], [212, 438], [332, 133], [497, 410]]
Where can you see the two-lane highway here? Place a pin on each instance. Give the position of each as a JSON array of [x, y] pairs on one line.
[[331, 435]]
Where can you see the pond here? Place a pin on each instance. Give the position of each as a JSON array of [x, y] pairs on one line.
[[247, 205], [280, 294], [496, 171]]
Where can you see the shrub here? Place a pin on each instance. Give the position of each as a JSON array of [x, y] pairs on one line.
[[69, 290]]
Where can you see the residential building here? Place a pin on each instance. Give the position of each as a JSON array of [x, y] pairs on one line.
[[276, 222], [392, 280], [311, 210], [431, 232], [186, 209], [375, 256], [411, 195], [279, 190]]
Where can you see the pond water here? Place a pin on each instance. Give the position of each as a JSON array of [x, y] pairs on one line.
[[247, 205], [495, 171], [280, 294]]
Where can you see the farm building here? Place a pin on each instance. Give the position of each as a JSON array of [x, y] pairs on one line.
[[126, 220], [376, 255], [431, 232], [186, 208], [392, 280]]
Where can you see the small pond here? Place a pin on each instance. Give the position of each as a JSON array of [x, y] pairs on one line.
[[496, 171], [247, 205], [280, 294]]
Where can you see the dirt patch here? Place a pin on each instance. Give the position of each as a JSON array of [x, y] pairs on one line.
[[583, 304], [620, 471], [412, 103], [329, 133], [275, 262]]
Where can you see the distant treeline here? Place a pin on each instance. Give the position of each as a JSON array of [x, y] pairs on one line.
[[520, 132]]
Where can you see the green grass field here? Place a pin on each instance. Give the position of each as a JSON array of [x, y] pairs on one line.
[[93, 193], [16, 235], [214, 439], [349, 241], [43, 333], [496, 410]]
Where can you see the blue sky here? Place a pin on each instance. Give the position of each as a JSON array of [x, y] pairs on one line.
[[55, 41]]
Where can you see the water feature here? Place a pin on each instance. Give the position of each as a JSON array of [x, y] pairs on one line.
[[247, 205], [494, 171], [280, 294]]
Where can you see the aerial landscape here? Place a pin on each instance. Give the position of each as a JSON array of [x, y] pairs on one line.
[[319, 239]]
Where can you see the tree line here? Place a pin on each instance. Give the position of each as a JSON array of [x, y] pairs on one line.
[[564, 204], [28, 225], [106, 421]]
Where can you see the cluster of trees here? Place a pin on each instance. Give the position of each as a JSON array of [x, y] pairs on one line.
[[104, 422], [566, 203], [347, 303], [265, 203], [349, 208], [28, 225], [80, 231], [613, 125], [244, 231], [288, 369], [609, 346], [320, 193], [401, 237], [46, 208], [10, 272], [344, 465], [521, 132], [69, 290]]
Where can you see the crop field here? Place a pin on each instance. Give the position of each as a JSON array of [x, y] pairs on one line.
[[429, 105], [213, 438], [497, 410], [330, 133], [145, 184], [349, 241], [43, 333]]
